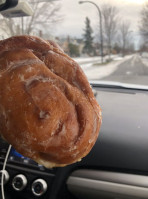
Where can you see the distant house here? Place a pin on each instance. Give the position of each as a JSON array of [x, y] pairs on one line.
[[69, 44]]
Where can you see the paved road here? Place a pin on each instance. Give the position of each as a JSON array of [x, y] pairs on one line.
[[132, 70]]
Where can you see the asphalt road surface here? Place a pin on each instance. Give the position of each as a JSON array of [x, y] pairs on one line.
[[132, 70]]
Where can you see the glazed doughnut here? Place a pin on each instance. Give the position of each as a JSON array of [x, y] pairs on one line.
[[47, 108]]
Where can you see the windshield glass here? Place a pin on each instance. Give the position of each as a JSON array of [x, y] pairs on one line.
[[109, 38]]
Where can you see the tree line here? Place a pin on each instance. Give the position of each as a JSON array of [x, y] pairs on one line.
[[117, 33]]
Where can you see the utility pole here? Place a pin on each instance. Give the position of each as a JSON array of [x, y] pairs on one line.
[[101, 33]]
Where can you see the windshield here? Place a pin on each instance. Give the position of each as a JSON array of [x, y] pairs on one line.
[[108, 38]]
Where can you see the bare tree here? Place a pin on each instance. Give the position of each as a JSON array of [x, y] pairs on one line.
[[7, 26], [124, 36], [110, 24], [144, 23], [45, 14]]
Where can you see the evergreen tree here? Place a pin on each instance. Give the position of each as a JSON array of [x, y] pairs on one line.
[[88, 39]]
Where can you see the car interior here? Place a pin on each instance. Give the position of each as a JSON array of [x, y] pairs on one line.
[[117, 166]]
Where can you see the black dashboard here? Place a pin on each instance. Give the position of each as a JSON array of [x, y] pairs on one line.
[[25, 178], [117, 166]]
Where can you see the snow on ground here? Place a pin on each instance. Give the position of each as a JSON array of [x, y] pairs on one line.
[[145, 61], [87, 62], [83, 60], [100, 71]]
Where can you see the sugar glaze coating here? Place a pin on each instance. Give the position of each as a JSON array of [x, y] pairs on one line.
[[47, 108]]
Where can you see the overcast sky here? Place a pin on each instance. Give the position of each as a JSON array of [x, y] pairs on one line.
[[75, 14]]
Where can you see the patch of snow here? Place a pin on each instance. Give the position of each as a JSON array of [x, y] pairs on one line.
[[87, 62], [101, 71], [118, 58], [128, 72], [84, 60], [145, 61], [144, 55]]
